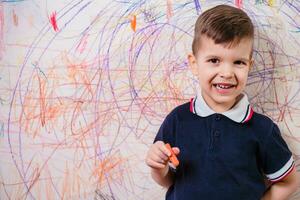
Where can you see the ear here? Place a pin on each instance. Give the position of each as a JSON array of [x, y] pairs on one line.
[[193, 64]]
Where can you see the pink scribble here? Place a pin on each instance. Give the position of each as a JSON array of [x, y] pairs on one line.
[[82, 44], [238, 3], [1, 31]]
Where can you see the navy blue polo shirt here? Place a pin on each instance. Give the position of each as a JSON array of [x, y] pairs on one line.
[[224, 155]]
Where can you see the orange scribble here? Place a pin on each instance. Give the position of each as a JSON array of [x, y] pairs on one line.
[[109, 169], [15, 18], [79, 75], [30, 20], [169, 9], [65, 190], [42, 99], [133, 23], [40, 105]]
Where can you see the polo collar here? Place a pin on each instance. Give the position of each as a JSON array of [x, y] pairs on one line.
[[240, 113]]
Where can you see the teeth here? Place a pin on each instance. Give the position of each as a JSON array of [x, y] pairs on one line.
[[223, 86]]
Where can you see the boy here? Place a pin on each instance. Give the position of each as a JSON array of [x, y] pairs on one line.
[[225, 149]]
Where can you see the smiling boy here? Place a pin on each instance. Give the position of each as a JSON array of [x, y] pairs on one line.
[[225, 149]]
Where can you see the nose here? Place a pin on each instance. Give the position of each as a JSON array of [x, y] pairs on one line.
[[226, 71]]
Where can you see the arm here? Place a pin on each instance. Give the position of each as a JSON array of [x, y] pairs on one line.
[[163, 177], [284, 188]]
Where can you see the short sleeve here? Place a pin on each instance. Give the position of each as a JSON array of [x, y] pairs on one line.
[[167, 130], [277, 159]]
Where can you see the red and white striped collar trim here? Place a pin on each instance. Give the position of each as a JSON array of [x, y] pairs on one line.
[[241, 112]]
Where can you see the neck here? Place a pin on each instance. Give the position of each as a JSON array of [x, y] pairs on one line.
[[220, 107]]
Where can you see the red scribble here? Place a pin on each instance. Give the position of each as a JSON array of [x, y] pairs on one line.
[[238, 3], [53, 21]]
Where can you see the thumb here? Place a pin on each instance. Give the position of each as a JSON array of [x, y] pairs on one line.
[[176, 150]]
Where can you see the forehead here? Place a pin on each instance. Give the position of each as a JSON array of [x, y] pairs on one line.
[[241, 48]]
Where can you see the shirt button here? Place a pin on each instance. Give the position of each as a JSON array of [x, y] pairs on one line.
[[217, 133], [218, 117]]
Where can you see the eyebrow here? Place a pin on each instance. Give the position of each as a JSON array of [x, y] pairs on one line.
[[211, 56], [244, 59], [214, 56]]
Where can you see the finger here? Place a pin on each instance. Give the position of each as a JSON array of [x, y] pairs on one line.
[[165, 150], [157, 158], [162, 155], [176, 150], [155, 151], [151, 160], [156, 165], [162, 146]]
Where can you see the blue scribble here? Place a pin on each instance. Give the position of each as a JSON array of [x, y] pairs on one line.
[[1, 129], [198, 7], [11, 1]]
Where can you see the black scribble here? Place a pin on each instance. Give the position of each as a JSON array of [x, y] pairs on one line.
[[100, 196]]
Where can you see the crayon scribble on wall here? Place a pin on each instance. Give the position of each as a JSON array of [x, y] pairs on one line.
[[85, 85]]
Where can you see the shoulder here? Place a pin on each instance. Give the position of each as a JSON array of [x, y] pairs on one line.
[[168, 129], [181, 112], [261, 120], [262, 125]]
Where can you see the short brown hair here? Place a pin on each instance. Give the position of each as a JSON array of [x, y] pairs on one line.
[[224, 24]]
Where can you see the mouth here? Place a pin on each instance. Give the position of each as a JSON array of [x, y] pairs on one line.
[[223, 86]]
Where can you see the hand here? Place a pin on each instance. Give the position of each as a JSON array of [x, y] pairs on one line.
[[158, 155]]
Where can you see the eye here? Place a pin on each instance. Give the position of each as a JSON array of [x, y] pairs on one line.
[[239, 62], [214, 60]]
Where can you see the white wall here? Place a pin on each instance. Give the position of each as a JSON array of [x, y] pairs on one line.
[[80, 105]]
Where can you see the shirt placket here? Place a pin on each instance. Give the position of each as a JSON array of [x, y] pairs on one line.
[[215, 135]]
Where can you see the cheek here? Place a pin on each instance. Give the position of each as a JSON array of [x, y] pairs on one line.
[[207, 75], [242, 77], [206, 81]]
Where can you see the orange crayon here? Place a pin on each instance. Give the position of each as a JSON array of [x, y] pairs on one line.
[[172, 157]]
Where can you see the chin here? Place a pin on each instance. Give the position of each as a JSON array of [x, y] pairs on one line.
[[224, 99]]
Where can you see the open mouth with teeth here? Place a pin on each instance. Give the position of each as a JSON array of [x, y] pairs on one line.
[[223, 86]]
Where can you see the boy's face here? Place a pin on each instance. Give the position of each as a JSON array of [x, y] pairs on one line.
[[222, 71]]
